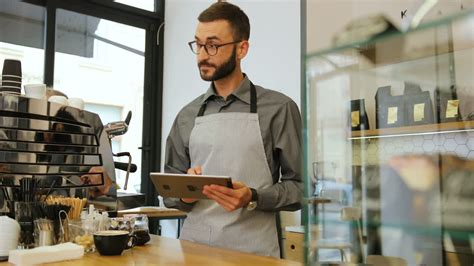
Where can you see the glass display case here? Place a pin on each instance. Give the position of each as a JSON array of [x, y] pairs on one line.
[[389, 148]]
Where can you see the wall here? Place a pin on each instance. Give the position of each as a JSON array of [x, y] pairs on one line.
[[273, 60]]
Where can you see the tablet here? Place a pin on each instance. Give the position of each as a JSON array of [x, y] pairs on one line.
[[186, 186]]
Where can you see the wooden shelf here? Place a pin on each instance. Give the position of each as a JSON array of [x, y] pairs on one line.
[[318, 200], [413, 130]]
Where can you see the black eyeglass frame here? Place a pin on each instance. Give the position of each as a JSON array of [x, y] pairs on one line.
[[208, 46]]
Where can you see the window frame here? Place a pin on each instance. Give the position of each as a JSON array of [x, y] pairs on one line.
[[152, 23]]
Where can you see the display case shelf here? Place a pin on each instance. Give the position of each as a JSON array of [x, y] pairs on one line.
[[318, 200], [414, 130], [424, 47]]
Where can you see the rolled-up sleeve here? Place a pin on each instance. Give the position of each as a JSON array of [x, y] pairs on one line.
[[286, 133]]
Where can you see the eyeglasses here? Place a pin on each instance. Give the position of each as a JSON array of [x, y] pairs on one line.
[[211, 49]]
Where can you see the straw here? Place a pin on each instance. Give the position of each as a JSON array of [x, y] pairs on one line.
[[44, 224], [75, 204], [25, 187], [5, 194], [35, 188], [50, 189], [38, 210]]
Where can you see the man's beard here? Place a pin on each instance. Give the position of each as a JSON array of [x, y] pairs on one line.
[[221, 71]]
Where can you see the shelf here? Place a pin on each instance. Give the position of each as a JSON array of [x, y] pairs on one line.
[[318, 200], [407, 56], [392, 35], [413, 130]]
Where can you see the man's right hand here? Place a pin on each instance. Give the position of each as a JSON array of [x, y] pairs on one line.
[[192, 171]]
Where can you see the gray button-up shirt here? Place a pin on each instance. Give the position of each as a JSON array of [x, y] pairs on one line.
[[280, 125]]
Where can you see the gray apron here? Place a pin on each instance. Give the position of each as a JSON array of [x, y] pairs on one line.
[[231, 144]]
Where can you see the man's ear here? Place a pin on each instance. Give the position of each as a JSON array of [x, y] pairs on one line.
[[243, 49]]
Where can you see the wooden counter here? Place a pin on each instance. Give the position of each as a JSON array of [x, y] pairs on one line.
[[168, 251]]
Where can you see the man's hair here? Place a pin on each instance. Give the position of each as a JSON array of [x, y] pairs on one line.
[[237, 19]]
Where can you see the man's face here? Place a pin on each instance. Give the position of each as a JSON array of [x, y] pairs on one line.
[[222, 64]]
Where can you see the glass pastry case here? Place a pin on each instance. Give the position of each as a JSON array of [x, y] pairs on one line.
[[389, 147]]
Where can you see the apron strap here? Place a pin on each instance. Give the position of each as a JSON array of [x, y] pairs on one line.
[[253, 102], [202, 109], [253, 99]]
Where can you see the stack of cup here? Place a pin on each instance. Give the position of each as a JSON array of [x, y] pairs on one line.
[[11, 77], [37, 91], [76, 103], [62, 100], [9, 234]]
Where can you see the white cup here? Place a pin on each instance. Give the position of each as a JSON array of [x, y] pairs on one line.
[[37, 91], [58, 99], [9, 234], [76, 103]]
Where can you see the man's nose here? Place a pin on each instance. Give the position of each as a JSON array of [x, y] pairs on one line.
[[202, 54]]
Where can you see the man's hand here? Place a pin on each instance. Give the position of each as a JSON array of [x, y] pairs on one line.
[[230, 199], [192, 171], [195, 170]]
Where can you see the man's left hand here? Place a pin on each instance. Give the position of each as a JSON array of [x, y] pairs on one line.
[[230, 199]]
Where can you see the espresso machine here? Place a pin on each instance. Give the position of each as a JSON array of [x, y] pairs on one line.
[[49, 148]]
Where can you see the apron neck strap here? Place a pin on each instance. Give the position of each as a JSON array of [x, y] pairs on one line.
[[253, 102], [253, 99]]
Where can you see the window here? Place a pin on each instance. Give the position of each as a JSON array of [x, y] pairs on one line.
[[142, 4], [111, 113], [22, 38], [106, 69], [105, 52]]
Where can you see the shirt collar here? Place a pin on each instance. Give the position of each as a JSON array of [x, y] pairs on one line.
[[242, 92]]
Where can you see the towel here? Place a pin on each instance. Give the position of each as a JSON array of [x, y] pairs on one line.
[[46, 254]]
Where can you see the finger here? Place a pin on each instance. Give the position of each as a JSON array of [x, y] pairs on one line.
[[197, 170], [206, 190], [224, 190], [237, 184], [218, 200], [188, 200], [230, 200], [221, 202]]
